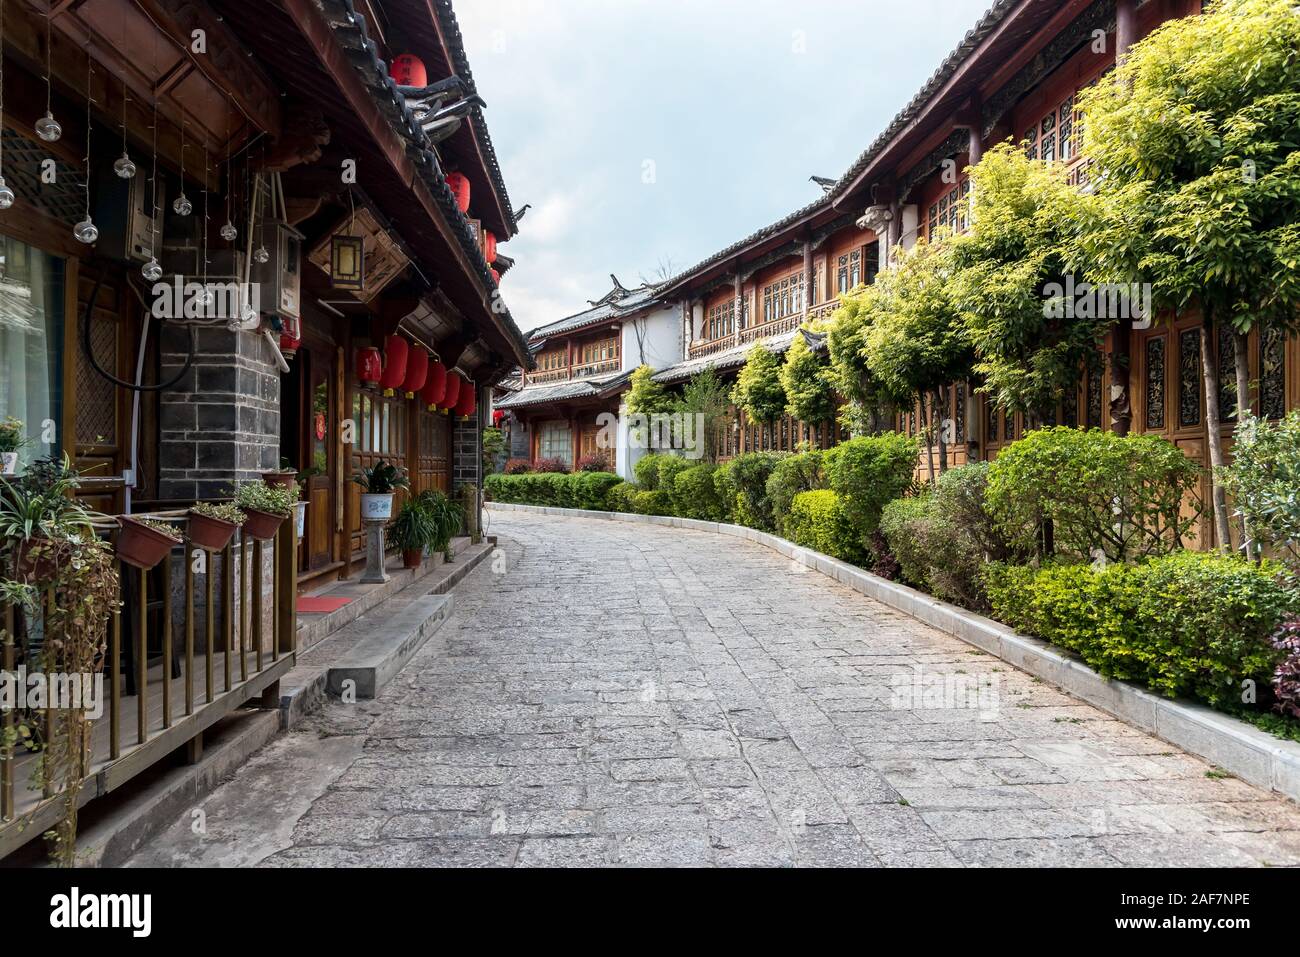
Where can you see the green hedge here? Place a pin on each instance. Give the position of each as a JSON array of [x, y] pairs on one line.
[[1190, 623], [793, 474], [742, 485], [821, 520], [587, 490], [867, 473], [694, 494]]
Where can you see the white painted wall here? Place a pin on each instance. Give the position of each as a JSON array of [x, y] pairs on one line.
[[660, 338]]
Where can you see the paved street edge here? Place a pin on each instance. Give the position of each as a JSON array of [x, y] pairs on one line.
[[1252, 755]]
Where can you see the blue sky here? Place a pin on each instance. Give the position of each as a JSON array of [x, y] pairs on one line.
[[646, 132]]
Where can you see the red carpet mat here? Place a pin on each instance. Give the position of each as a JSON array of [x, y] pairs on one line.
[[309, 605]]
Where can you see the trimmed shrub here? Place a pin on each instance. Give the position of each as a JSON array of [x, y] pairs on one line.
[[908, 527], [869, 472], [793, 474], [622, 498], [647, 471], [652, 503], [670, 466], [518, 466], [1262, 480], [1286, 679], [589, 490], [550, 465], [694, 494], [1121, 498], [742, 485], [1189, 623], [820, 520], [597, 462]]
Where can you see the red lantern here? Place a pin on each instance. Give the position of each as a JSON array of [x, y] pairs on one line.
[[459, 184], [370, 366], [498, 416], [290, 338], [496, 277], [408, 70], [417, 372], [489, 247], [467, 403], [450, 397], [395, 354], [435, 385]]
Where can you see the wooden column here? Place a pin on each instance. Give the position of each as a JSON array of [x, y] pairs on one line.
[[808, 277], [738, 284], [1121, 353]]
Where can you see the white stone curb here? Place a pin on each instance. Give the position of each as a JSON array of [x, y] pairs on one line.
[[1252, 755]]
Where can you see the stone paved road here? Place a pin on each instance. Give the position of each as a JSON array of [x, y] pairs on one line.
[[636, 695]]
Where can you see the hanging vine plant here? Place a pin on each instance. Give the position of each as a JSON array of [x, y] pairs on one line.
[[808, 382], [758, 388]]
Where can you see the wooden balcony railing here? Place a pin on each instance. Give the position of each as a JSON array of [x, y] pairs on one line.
[[581, 371], [588, 369], [550, 375], [823, 310], [167, 673], [707, 347]]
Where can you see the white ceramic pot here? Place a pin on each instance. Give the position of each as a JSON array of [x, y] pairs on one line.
[[8, 463], [302, 519], [376, 508]]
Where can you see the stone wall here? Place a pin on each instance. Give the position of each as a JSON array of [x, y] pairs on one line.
[[221, 423]]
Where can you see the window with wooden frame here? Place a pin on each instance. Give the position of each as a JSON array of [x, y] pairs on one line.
[[553, 359], [721, 320], [782, 298], [848, 270], [600, 350], [950, 212]]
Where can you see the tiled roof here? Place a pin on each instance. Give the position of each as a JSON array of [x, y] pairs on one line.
[[363, 53], [605, 308], [945, 72], [559, 391]]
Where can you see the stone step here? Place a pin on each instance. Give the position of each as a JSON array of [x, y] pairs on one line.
[[381, 643]]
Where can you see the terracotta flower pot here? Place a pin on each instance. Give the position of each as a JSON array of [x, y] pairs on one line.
[[210, 534], [31, 568], [142, 546], [412, 557], [262, 525], [282, 479]]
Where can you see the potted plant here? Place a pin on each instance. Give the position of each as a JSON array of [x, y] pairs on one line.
[[265, 507], [212, 525], [413, 532], [38, 507], [379, 482], [12, 439], [284, 476], [446, 516], [144, 542]]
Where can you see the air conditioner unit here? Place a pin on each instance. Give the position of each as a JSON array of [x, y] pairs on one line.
[[280, 277]]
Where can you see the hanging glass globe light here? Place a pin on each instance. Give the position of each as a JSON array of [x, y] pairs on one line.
[[207, 298], [182, 205], [85, 231], [6, 195], [48, 128], [229, 233], [124, 167], [261, 256], [152, 271]]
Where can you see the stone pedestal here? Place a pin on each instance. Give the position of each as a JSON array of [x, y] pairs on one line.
[[375, 574]]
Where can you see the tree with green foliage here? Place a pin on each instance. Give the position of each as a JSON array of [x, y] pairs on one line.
[[1195, 144], [705, 395], [867, 406], [758, 387], [1009, 278], [648, 397], [918, 345], [808, 383]]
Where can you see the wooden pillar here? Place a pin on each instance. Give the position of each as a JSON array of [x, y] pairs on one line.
[[738, 284], [808, 277], [1125, 28]]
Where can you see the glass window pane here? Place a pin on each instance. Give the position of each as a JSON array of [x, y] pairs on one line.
[[31, 346]]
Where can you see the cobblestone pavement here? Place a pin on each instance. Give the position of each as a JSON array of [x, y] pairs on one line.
[[637, 695]]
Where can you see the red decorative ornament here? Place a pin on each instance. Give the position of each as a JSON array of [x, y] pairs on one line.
[[450, 397], [435, 385], [395, 354], [290, 338], [459, 184], [498, 416], [489, 246], [467, 403], [408, 70], [417, 372], [496, 277], [370, 366]]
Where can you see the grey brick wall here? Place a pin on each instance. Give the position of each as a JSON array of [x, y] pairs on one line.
[[221, 423]]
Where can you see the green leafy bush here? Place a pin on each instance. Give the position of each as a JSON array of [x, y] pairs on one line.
[[652, 503], [758, 390], [809, 384], [589, 490], [869, 472], [1263, 480], [793, 474], [647, 471], [694, 494], [1188, 623], [742, 485], [670, 466], [943, 538], [622, 498], [821, 520], [1119, 498]]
